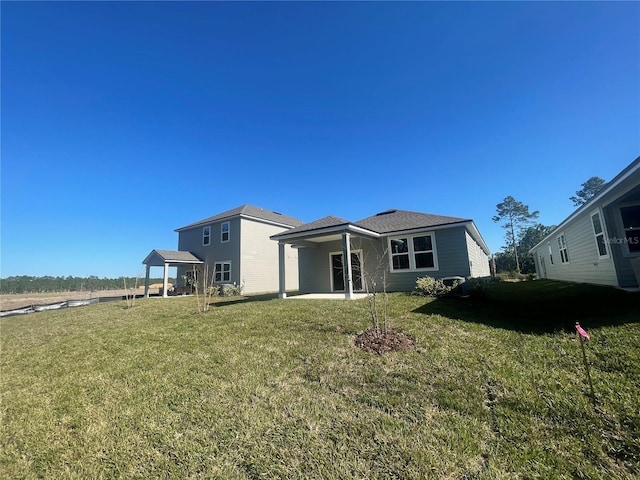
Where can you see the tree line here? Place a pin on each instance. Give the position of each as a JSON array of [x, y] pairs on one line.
[[522, 232], [45, 284]]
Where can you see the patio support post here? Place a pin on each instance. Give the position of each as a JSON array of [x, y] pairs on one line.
[[346, 256], [146, 282], [165, 282], [282, 267]]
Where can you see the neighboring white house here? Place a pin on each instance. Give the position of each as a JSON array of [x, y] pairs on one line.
[[394, 247], [236, 247], [600, 242]]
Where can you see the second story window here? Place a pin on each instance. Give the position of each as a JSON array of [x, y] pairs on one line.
[[206, 236], [224, 232]]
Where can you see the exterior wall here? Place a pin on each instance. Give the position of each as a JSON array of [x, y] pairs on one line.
[[314, 267], [584, 264], [451, 251], [478, 259], [217, 251], [259, 267]]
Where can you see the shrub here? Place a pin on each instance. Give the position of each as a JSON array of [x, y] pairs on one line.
[[478, 286], [231, 290], [432, 287]]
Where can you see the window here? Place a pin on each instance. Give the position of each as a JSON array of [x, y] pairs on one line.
[[631, 223], [550, 253], [413, 253], [598, 231], [224, 232], [562, 247], [222, 272], [206, 236]]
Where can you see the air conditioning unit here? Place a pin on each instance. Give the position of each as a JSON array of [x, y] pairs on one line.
[[449, 281]]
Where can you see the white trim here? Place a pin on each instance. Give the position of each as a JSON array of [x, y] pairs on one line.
[[550, 253], [223, 263], [412, 254], [208, 236], [340, 252], [324, 231], [605, 237], [222, 232]]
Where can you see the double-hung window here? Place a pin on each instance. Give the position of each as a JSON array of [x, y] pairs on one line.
[[598, 231], [222, 272], [224, 232], [562, 247], [206, 236], [416, 252], [550, 253]]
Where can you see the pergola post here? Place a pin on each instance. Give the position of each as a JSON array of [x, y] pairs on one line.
[[346, 265], [165, 281], [282, 267], [146, 282]]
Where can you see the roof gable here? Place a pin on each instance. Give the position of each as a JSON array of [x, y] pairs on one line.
[[399, 220], [160, 257], [247, 211], [325, 222]]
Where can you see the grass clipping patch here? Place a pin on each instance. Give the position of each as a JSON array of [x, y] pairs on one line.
[[374, 340]]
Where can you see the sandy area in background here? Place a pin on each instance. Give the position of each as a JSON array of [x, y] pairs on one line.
[[9, 302]]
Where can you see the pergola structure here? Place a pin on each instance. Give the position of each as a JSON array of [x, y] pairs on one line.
[[166, 259]]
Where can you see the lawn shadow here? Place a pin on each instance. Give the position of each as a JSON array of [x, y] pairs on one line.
[[227, 301], [540, 307]]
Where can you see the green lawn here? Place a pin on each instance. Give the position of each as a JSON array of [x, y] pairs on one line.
[[267, 388]]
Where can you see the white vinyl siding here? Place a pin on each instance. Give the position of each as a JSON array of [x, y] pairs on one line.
[[478, 259], [585, 264], [259, 265]]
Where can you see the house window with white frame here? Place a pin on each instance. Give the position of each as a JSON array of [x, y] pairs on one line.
[[222, 272], [562, 247], [224, 232], [598, 231], [206, 236], [550, 253], [631, 224], [415, 252]]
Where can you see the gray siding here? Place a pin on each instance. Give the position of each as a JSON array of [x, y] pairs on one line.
[[478, 259], [217, 251], [584, 264], [259, 264], [451, 251], [453, 260]]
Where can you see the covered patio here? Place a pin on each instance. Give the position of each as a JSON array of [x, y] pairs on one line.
[[166, 259]]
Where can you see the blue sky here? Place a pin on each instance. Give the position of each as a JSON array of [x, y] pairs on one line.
[[123, 121]]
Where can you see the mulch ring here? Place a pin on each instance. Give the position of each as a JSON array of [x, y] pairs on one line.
[[381, 343]]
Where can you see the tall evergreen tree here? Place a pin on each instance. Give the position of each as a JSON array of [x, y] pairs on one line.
[[588, 190], [515, 216]]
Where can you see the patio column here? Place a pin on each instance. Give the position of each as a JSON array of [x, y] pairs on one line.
[[165, 282], [282, 267], [346, 265], [146, 282]]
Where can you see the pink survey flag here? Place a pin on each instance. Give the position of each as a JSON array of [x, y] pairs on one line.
[[581, 331]]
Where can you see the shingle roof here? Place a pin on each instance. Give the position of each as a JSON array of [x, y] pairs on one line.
[[325, 222], [250, 211], [399, 220], [160, 257]]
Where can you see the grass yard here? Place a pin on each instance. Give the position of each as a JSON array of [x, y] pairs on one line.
[[267, 388]]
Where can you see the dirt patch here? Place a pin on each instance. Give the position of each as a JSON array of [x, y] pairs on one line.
[[9, 302], [381, 343]]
